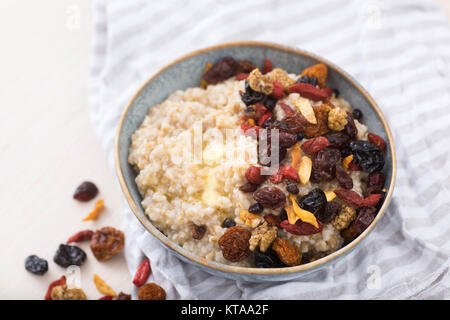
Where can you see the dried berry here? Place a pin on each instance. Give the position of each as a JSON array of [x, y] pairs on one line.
[[290, 173], [325, 163], [310, 80], [368, 156], [69, 255], [365, 217], [151, 291], [377, 140], [98, 207], [300, 136], [338, 140], [283, 214], [142, 273], [242, 76], [36, 265], [268, 259], [314, 145], [286, 139], [228, 223], [357, 114], [336, 92], [106, 298], [319, 71], [267, 66], [301, 228], [344, 179], [244, 66], [350, 128], [291, 187], [248, 187], [85, 191], [106, 243], [375, 183], [81, 236], [273, 219], [287, 252], [253, 175], [354, 199], [270, 102], [278, 90], [309, 91], [287, 109], [328, 212], [256, 208], [234, 244], [312, 201], [61, 281], [270, 197], [251, 96], [277, 177], [220, 71], [123, 296], [321, 127], [295, 123], [199, 232]]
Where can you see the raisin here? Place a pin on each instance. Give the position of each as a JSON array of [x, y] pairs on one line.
[[336, 92], [318, 175], [221, 70], [338, 140], [273, 219], [253, 175], [36, 265], [328, 212], [249, 110], [286, 139], [377, 140], [367, 155], [199, 232], [375, 183], [291, 187], [256, 208], [248, 187], [310, 80], [151, 291], [300, 136], [264, 156], [69, 255], [325, 164], [228, 223], [106, 243], [344, 179], [365, 217], [345, 152], [357, 114], [268, 259], [312, 201], [270, 197], [251, 96], [295, 123], [270, 102], [314, 145], [234, 244], [85, 191], [287, 252], [244, 66], [301, 228], [123, 296], [321, 128], [350, 128], [283, 214]]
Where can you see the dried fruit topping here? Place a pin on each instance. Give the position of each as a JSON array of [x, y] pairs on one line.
[[365, 217], [337, 119], [106, 298], [328, 212], [319, 71], [61, 281], [270, 102], [280, 76], [106, 243], [354, 199], [346, 161], [69, 255], [278, 90], [300, 136], [220, 71], [294, 123], [267, 66], [375, 183], [336, 92], [123, 296], [263, 236], [286, 139], [310, 80], [203, 83], [325, 163], [241, 76], [85, 191], [368, 156], [277, 177], [81, 236], [308, 91], [98, 207], [291, 187], [338, 140], [345, 216], [234, 244], [296, 156], [256, 208], [312, 201], [36, 265], [304, 106], [377, 140], [260, 82], [304, 170], [287, 252], [250, 219], [303, 214], [289, 173], [251, 96], [287, 109], [151, 291], [268, 259], [371, 201], [357, 114], [265, 120], [330, 195], [228, 223], [344, 179], [353, 167], [253, 175], [103, 287], [270, 197], [292, 216], [62, 292], [272, 219], [244, 66], [248, 187], [314, 145], [321, 128], [350, 129], [199, 232]]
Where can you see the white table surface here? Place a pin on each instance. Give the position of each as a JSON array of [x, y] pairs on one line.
[[48, 147]]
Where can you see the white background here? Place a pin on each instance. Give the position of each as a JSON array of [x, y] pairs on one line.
[[48, 147]]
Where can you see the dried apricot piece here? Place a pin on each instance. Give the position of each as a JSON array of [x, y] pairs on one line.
[[234, 244], [151, 291], [287, 252]]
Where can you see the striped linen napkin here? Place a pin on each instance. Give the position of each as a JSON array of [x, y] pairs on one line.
[[398, 50]]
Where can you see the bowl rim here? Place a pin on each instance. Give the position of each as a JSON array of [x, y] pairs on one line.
[[248, 270]]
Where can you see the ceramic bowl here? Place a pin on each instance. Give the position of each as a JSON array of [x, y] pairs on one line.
[[186, 72]]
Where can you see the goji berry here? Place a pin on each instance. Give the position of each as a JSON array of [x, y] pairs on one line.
[[301, 228], [278, 90], [242, 76], [309, 91], [61, 281], [142, 273], [377, 140], [354, 199], [249, 130], [260, 110], [314, 145], [81, 236], [264, 118], [277, 177], [287, 109], [290, 173], [267, 66], [371, 200]]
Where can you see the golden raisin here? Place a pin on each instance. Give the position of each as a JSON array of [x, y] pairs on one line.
[[106, 243], [151, 291], [321, 128], [234, 244], [64, 293], [287, 252]]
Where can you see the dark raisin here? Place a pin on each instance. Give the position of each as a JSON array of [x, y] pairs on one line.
[[269, 102], [251, 96], [199, 232], [325, 163], [350, 128], [123, 296], [279, 125], [338, 140], [357, 114], [270, 197], [249, 110], [318, 175], [328, 212], [344, 179], [365, 217], [36, 265], [228, 223], [368, 156], [85, 191], [264, 155], [345, 152], [267, 123], [295, 123], [221, 70], [244, 66], [256, 208], [69, 255], [283, 214], [286, 139], [375, 183], [291, 187], [336, 92], [307, 79], [248, 187], [268, 259], [312, 201], [300, 136]]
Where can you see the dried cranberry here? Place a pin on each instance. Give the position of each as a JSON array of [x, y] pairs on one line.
[[256, 208], [289, 173], [270, 197], [312, 201], [85, 191], [278, 90], [368, 156], [228, 223], [248, 187], [357, 114], [344, 179], [338, 140], [328, 212], [221, 70]]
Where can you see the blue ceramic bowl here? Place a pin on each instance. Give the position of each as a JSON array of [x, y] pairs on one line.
[[186, 72]]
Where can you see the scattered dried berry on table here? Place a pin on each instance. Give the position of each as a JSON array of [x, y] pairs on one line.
[[36, 265], [62, 292], [85, 191], [103, 287], [142, 273], [367, 155], [228, 223], [61, 281], [199, 232], [270, 197], [123, 296], [106, 243], [69, 255], [81, 236], [98, 207], [221, 70], [151, 291], [287, 252], [234, 244]]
